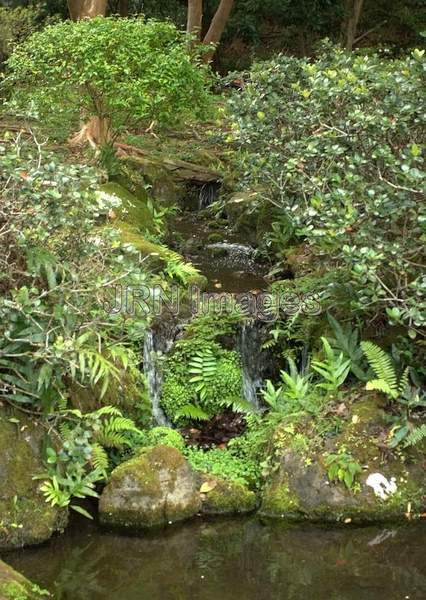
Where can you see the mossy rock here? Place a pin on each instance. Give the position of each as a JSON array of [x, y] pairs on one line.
[[223, 497], [155, 488], [159, 254], [25, 517], [14, 586], [300, 489], [133, 209]]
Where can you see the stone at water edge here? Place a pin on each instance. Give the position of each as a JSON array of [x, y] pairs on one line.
[[222, 497], [299, 489], [155, 488], [25, 517], [14, 586]]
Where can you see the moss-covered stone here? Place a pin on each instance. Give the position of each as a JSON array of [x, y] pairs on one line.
[[155, 488], [133, 209], [25, 517], [300, 487], [14, 586], [223, 497]]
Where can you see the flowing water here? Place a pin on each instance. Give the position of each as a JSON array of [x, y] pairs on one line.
[[232, 559]]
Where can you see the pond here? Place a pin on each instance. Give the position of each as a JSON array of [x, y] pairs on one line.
[[231, 559]]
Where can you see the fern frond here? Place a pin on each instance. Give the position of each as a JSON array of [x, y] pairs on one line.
[[99, 458], [416, 436], [190, 411], [381, 363], [379, 385]]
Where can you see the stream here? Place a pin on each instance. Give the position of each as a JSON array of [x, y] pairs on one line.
[[231, 559]]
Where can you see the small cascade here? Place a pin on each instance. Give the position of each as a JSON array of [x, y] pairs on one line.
[[208, 194], [255, 361], [154, 344]]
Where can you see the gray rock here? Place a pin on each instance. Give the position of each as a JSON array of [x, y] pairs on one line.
[[154, 488], [25, 517]]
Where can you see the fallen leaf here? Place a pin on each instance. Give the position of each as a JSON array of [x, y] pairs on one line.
[[207, 487]]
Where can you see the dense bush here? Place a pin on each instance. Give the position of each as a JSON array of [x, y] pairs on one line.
[[59, 254], [122, 71], [16, 24], [335, 145]]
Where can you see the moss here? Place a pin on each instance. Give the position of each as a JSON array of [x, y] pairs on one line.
[[14, 586], [226, 497], [158, 253], [278, 500], [25, 518], [133, 209], [151, 489]]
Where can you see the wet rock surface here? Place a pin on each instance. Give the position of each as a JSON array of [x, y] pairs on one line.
[[156, 488], [25, 517]]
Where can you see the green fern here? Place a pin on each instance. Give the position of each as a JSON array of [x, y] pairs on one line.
[[416, 436], [384, 369], [193, 412], [100, 459], [203, 367]]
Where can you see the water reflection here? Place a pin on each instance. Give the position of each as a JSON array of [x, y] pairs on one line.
[[232, 559]]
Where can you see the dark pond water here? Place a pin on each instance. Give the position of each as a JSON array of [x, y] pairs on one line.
[[231, 560]]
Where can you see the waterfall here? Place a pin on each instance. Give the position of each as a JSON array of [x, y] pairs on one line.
[[208, 194], [255, 361], [153, 377]]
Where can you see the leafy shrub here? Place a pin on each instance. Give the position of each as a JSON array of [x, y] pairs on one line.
[[336, 145], [16, 24], [59, 254], [122, 71], [80, 459]]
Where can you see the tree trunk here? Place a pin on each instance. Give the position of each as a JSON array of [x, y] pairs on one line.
[[123, 8], [217, 26], [96, 130], [354, 9], [86, 9], [195, 17]]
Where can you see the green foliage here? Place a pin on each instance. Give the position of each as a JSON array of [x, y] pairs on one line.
[[347, 341], [343, 467], [335, 145], [201, 379], [293, 395], [123, 71], [416, 436], [55, 331], [16, 24], [334, 369], [162, 435], [79, 460], [225, 463], [203, 368], [387, 379]]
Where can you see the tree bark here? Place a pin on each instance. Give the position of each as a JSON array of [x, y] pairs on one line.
[[354, 9], [86, 9], [195, 17], [123, 8], [218, 25], [96, 130]]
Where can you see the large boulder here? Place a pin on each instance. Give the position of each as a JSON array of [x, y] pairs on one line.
[[155, 488], [25, 517], [223, 497], [14, 586], [300, 488]]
